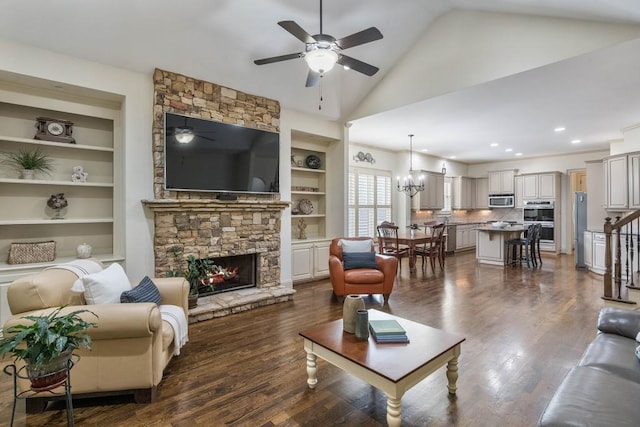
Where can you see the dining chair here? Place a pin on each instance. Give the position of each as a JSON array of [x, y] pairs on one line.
[[389, 244], [526, 244], [536, 243], [432, 249]]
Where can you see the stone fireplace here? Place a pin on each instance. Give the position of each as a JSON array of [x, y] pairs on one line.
[[198, 224]]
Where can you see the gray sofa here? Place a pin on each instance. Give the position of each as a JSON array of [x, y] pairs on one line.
[[604, 389]]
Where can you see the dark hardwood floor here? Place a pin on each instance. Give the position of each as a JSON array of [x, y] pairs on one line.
[[525, 328]]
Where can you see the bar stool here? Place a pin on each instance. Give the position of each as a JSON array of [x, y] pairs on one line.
[[527, 243]]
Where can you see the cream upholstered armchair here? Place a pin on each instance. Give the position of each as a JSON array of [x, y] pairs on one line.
[[131, 345], [377, 278]]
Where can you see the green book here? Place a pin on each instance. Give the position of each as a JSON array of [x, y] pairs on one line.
[[386, 327]]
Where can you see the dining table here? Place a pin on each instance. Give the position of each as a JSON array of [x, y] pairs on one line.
[[413, 238]]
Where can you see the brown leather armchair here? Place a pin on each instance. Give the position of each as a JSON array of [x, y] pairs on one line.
[[361, 280]]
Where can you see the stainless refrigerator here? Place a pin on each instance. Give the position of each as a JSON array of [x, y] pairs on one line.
[[579, 225]]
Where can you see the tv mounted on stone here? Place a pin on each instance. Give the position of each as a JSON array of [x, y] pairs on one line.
[[219, 157]]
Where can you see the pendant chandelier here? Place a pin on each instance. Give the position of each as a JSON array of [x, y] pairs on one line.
[[409, 185]]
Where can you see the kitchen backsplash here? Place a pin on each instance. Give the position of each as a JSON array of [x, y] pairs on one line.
[[420, 217]]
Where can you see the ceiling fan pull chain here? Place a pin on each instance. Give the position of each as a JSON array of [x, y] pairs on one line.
[[320, 92]]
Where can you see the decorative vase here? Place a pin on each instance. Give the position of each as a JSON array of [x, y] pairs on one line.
[[352, 303], [57, 202], [83, 250], [27, 173], [362, 325]]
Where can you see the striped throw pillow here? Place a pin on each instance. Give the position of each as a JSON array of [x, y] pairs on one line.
[[146, 291]]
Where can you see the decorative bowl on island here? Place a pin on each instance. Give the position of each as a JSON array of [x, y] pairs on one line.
[[499, 224]]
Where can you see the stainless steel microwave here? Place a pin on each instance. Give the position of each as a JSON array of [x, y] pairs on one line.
[[502, 200]]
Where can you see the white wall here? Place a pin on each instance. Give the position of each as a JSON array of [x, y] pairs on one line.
[[464, 48], [631, 142]]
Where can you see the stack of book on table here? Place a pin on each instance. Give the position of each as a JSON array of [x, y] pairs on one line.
[[387, 331]]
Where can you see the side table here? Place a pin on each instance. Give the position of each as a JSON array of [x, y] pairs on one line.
[[16, 373]]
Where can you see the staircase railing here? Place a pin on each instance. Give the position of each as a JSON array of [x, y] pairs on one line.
[[626, 234]]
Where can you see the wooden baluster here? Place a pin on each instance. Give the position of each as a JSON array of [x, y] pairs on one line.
[[617, 270], [638, 243], [630, 238], [626, 261], [607, 259]]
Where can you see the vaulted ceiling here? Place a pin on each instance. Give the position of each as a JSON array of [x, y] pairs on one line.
[[217, 40]]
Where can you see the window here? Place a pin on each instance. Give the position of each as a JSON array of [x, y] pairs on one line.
[[369, 201]]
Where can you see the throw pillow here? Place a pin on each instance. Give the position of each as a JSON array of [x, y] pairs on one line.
[[146, 291], [105, 286], [359, 260], [356, 245]]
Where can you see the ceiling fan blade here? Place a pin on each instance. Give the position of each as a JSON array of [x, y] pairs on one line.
[[277, 58], [365, 36], [313, 79], [354, 64], [297, 31]]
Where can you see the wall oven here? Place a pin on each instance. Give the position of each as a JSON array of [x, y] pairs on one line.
[[501, 200], [541, 212], [546, 232]]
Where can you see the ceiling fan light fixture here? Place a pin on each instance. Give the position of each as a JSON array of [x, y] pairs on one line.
[[184, 135], [321, 60]]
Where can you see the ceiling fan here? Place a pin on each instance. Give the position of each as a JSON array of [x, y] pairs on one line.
[[323, 51], [185, 134]]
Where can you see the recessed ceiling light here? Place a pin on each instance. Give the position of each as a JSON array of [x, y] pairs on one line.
[[518, 154], [508, 150], [576, 141], [452, 157], [494, 144], [559, 129]]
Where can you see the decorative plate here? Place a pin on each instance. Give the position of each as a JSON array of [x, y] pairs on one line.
[[305, 206], [361, 156], [313, 161]]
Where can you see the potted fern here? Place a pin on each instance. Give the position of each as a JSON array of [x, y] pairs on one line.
[[29, 162], [45, 343]]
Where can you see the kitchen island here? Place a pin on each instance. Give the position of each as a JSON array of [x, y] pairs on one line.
[[491, 243]]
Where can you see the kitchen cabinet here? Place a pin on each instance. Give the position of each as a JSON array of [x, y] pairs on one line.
[[464, 190], [588, 249], [95, 207], [502, 182], [622, 182], [432, 198], [597, 254], [594, 252], [465, 236], [482, 193], [541, 186], [519, 186], [310, 260], [634, 180]]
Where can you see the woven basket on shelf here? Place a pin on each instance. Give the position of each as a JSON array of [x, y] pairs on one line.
[[25, 253]]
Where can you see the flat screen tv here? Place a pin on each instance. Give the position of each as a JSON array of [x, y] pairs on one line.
[[206, 155]]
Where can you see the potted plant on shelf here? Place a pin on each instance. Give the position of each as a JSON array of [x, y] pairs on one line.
[[29, 162], [46, 343]]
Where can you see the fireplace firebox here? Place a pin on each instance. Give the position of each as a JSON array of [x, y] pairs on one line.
[[237, 272]]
